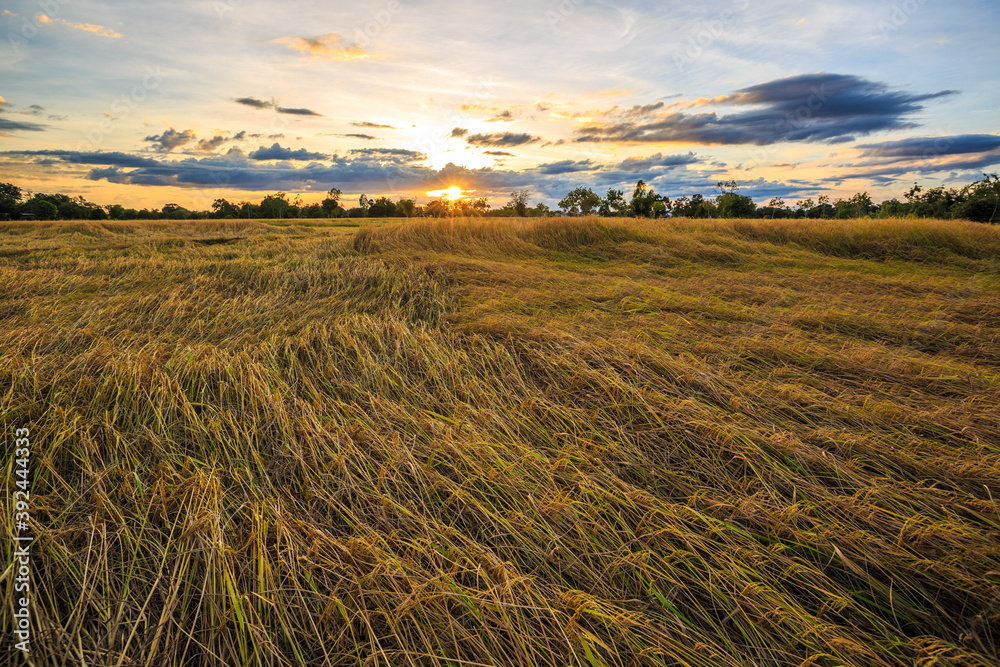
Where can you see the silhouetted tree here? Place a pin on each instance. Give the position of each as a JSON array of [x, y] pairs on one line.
[[583, 199], [731, 204], [222, 208], [613, 203], [275, 206], [642, 200], [519, 202], [331, 205]]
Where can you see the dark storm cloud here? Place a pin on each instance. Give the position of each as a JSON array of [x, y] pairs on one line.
[[255, 103], [170, 139], [812, 107], [279, 152], [500, 139]]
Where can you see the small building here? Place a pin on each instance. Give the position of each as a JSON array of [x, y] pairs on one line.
[[27, 216]]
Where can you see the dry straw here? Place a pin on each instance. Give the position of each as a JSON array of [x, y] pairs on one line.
[[518, 443]]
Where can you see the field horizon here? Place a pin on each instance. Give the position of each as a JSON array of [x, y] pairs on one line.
[[542, 441]]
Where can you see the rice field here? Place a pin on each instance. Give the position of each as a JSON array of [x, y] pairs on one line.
[[506, 442]]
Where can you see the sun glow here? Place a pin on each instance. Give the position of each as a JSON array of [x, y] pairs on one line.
[[454, 193]]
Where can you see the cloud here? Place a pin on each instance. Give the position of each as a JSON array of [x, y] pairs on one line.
[[889, 161], [500, 139], [33, 110], [210, 145], [278, 152], [499, 153], [255, 103], [927, 147], [297, 112], [504, 117], [459, 132], [398, 155], [76, 157], [325, 47], [374, 126], [20, 126], [170, 139], [646, 164], [473, 108], [811, 107], [86, 27], [386, 171], [364, 137], [566, 167]]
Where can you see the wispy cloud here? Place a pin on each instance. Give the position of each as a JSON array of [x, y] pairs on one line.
[[925, 155], [326, 47], [394, 155], [925, 147], [20, 126], [255, 103], [505, 116], [374, 126], [86, 27], [501, 139]]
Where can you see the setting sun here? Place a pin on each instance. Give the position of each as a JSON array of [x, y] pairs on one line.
[[454, 193]]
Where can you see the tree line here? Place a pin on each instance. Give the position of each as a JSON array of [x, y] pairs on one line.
[[979, 201]]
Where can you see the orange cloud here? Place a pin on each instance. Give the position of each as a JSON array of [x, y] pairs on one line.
[[325, 47], [86, 27]]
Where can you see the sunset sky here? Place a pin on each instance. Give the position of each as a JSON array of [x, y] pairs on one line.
[[144, 103]]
